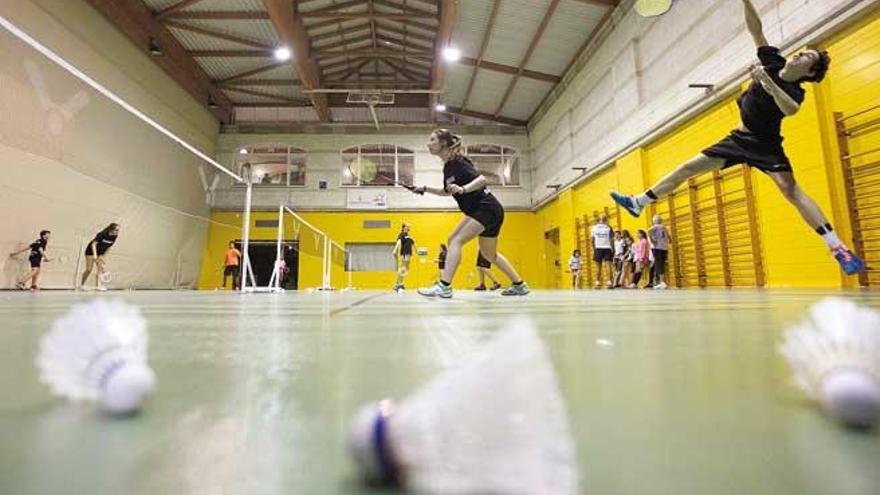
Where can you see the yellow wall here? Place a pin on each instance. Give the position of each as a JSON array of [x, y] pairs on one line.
[[519, 236], [794, 255]]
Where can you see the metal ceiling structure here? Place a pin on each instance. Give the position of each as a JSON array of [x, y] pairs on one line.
[[223, 53]]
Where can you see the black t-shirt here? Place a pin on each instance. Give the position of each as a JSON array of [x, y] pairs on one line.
[[758, 110], [406, 244], [35, 248], [102, 241], [461, 171]]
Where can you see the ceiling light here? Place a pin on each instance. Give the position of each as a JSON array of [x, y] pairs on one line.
[[282, 53], [243, 151], [451, 54], [440, 107]]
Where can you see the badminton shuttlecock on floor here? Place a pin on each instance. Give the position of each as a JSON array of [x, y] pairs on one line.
[[495, 425], [98, 352], [835, 356]]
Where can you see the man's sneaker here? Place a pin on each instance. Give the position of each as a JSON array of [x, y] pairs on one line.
[[849, 262], [439, 289], [661, 285], [101, 288], [627, 202], [495, 286], [480, 288], [21, 285], [520, 289]]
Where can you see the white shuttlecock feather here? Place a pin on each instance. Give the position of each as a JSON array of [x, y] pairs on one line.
[[835, 356], [98, 352], [496, 425]]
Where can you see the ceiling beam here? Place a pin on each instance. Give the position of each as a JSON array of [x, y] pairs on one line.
[[366, 15], [405, 44], [369, 52], [262, 94], [335, 33], [174, 8], [487, 116], [230, 53], [548, 14], [252, 72], [344, 42], [408, 9], [225, 15], [489, 25], [408, 34], [600, 3], [216, 34], [289, 26], [448, 12], [134, 20], [332, 8], [507, 69], [260, 82]]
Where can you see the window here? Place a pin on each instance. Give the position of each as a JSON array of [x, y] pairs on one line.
[[387, 163], [275, 165], [498, 164]]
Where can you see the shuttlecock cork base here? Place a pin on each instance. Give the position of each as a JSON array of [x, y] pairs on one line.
[[835, 357], [483, 427], [98, 352]]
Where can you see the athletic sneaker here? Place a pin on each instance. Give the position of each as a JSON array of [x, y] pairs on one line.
[[627, 202], [480, 288], [101, 288], [520, 289], [495, 286], [661, 285], [21, 285], [439, 289], [849, 262]]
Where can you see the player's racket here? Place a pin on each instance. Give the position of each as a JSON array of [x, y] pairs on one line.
[[652, 8], [366, 171]]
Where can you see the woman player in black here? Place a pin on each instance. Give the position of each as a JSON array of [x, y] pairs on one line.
[[774, 94], [403, 251], [95, 252], [483, 218], [36, 257]]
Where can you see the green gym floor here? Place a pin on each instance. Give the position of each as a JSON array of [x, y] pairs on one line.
[[676, 392]]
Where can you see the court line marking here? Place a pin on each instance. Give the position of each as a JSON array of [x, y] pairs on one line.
[[357, 303]]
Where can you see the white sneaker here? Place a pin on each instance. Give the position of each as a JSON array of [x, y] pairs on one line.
[[437, 290], [102, 288], [661, 285]]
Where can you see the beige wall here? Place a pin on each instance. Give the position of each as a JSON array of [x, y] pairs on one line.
[[73, 161]]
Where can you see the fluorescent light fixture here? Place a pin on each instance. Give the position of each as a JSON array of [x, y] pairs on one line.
[[451, 54], [440, 107], [243, 151], [282, 53]]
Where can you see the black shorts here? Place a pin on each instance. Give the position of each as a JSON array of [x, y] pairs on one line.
[[441, 265], [36, 261], [660, 256], [600, 255], [230, 270], [745, 147], [483, 262], [491, 216]]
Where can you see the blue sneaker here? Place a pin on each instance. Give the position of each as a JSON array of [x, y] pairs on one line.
[[627, 202], [849, 262]]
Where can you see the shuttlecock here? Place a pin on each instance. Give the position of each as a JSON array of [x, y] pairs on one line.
[[495, 425], [98, 352], [835, 356]]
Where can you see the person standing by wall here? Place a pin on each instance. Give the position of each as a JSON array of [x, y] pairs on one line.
[[660, 241], [36, 257], [231, 264], [602, 236]]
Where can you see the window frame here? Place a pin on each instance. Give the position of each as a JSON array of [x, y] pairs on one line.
[[506, 151], [291, 152], [407, 152]]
